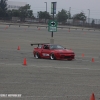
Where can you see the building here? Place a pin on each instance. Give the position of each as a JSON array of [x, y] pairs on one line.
[[15, 5]]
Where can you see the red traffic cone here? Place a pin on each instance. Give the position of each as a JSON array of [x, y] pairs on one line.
[[5, 28], [18, 48], [69, 30], [84, 32], [92, 97], [25, 62], [82, 55], [92, 59]]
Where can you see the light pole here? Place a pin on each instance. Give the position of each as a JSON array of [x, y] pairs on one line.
[[89, 16], [46, 11], [46, 6], [69, 11]]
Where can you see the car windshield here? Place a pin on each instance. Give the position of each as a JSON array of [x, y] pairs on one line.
[[56, 47]]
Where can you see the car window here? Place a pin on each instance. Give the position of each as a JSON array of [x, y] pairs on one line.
[[40, 46], [59, 47], [56, 47], [46, 47]]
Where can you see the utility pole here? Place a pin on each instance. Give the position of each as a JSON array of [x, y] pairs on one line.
[[46, 6], [53, 18], [52, 25], [69, 11], [89, 16], [46, 11]]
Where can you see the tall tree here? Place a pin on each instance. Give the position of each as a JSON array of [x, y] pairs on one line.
[[43, 15], [9, 14], [3, 8], [62, 16], [22, 13], [25, 12], [81, 16], [15, 13]]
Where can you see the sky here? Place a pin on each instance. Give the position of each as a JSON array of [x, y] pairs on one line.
[[76, 6]]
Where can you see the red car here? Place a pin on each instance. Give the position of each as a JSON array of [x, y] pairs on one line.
[[52, 51]]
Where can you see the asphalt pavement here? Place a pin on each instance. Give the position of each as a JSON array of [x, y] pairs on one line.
[[45, 79]]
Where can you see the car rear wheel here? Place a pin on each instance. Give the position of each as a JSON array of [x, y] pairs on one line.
[[52, 56], [36, 55]]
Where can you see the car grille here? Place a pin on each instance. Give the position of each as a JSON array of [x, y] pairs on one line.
[[67, 56]]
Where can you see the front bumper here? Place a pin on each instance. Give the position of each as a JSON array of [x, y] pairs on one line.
[[65, 56]]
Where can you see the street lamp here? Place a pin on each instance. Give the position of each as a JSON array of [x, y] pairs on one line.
[[69, 11], [46, 6], [46, 11], [89, 16], [69, 15]]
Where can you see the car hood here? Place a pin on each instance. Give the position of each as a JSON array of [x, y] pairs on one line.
[[63, 51]]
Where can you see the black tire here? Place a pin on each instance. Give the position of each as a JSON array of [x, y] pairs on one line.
[[52, 57], [70, 59], [36, 55]]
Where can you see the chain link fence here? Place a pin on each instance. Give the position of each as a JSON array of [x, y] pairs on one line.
[[90, 22]]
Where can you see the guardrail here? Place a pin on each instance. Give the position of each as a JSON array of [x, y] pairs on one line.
[[59, 26]]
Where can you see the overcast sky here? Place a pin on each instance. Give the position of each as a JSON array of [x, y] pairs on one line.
[[77, 6]]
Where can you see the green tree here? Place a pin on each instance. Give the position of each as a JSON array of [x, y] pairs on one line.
[[15, 13], [44, 15], [29, 13], [22, 13], [25, 12], [81, 16], [3, 8], [9, 14], [62, 16]]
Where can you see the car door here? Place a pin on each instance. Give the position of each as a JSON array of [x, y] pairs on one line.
[[46, 51]]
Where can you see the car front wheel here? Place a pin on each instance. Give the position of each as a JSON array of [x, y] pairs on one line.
[[52, 57]]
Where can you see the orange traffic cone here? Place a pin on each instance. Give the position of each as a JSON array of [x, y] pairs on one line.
[[5, 28], [92, 59], [25, 62], [84, 32], [92, 97], [18, 48], [82, 55]]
